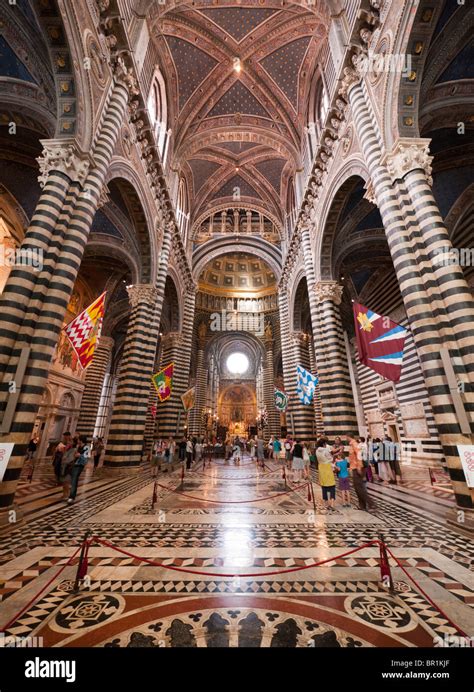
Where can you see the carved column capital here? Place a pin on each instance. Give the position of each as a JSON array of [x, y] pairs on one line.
[[142, 293], [350, 79], [409, 154], [171, 339], [328, 290], [63, 155], [299, 337], [370, 192]]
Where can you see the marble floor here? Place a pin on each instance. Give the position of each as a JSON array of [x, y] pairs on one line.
[[226, 558]]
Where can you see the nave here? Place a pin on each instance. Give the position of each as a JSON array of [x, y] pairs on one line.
[[224, 519]]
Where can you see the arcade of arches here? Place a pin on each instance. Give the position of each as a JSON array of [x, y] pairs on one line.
[[234, 175]]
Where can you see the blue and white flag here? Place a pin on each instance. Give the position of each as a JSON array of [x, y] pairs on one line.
[[305, 385]]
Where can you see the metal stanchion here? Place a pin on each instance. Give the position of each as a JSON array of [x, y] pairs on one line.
[[83, 562]]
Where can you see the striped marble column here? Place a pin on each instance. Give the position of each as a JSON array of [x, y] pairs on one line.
[[94, 382], [422, 312], [177, 348], [195, 426], [337, 401], [273, 424], [38, 327], [318, 411], [127, 426]]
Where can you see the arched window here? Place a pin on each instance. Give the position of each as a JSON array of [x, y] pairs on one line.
[[158, 110], [318, 106], [182, 209]]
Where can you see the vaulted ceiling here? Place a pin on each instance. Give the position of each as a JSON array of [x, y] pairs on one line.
[[238, 129]]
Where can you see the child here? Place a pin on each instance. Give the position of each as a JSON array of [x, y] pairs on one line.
[[326, 474], [306, 461], [342, 464]]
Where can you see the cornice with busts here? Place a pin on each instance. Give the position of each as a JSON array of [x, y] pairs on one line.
[[409, 154]]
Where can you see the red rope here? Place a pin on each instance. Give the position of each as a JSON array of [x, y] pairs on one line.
[[423, 592], [35, 598], [234, 502], [232, 575]]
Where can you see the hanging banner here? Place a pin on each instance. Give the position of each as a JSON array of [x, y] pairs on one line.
[[163, 381], [281, 400], [466, 453], [189, 399], [6, 449], [84, 330], [305, 385], [380, 342]]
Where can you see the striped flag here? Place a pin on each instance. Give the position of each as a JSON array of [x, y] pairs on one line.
[[305, 385], [84, 330], [380, 342], [163, 381]]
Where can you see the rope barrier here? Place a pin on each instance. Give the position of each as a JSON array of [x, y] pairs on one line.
[[86, 544], [234, 502], [234, 478]]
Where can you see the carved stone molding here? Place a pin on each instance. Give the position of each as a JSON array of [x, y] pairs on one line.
[[63, 155], [328, 290], [350, 79], [409, 154], [103, 197], [125, 75], [370, 192], [142, 293]]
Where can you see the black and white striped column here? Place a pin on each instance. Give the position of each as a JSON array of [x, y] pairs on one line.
[[421, 309], [337, 401], [62, 231], [93, 385], [273, 415], [195, 414]]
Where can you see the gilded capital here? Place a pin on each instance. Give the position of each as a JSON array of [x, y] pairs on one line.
[[328, 290], [142, 293], [63, 155], [409, 154]]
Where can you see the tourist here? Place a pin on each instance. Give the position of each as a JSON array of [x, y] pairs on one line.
[[182, 449], [189, 453], [270, 447], [172, 449], [81, 457], [58, 455], [297, 463], [252, 448], [198, 450], [359, 473], [67, 462], [97, 449], [344, 485], [260, 452], [155, 458], [32, 447], [306, 461], [374, 455], [385, 471], [276, 448], [228, 448], [337, 448], [327, 480], [236, 452], [288, 447]]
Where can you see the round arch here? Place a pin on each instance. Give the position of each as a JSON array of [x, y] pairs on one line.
[[232, 243]]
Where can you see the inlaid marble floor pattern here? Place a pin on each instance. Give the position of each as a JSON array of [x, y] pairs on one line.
[[207, 534]]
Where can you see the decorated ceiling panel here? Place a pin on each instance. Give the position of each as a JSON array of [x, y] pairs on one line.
[[238, 99], [236, 186], [272, 170], [283, 65], [202, 170], [237, 271], [238, 22], [237, 71], [192, 65]]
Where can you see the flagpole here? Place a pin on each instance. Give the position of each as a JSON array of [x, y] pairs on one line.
[[355, 389]]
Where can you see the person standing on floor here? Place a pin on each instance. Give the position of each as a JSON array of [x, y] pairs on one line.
[[198, 450], [337, 448], [260, 451], [189, 453], [67, 464], [97, 449], [288, 447], [327, 480], [359, 473], [172, 449], [306, 461], [297, 463], [81, 458], [344, 484], [182, 449], [276, 449], [58, 455]]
